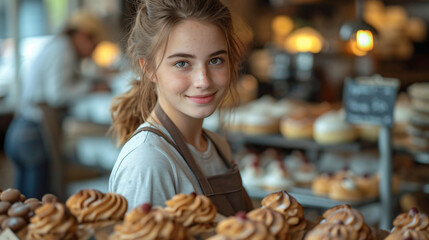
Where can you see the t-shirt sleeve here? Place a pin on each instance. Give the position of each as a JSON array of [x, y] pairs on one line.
[[145, 175]]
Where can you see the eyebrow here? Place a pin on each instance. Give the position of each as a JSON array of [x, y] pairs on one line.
[[185, 55]]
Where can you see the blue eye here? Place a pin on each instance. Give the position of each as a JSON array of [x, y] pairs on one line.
[[181, 64], [216, 61]]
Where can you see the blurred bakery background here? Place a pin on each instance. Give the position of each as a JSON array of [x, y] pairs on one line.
[[289, 131]]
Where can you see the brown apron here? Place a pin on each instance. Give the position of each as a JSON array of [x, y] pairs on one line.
[[225, 190]]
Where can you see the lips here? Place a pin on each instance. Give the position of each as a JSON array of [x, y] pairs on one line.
[[202, 99]]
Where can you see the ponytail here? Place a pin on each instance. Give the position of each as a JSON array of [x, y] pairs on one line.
[[131, 109]]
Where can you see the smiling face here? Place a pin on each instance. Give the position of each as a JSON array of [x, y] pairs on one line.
[[194, 74]]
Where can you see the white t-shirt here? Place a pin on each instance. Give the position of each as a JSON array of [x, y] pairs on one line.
[[150, 170], [52, 78]]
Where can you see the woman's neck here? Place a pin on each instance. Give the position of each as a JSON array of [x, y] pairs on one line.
[[190, 128]]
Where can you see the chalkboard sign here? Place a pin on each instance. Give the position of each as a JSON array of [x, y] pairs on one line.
[[370, 100]]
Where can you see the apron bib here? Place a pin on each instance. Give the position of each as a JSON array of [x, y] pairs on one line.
[[225, 190]]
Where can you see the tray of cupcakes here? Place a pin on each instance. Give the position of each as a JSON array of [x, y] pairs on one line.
[[90, 214]]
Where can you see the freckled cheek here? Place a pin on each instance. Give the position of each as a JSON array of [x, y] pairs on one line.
[[221, 78], [177, 84]]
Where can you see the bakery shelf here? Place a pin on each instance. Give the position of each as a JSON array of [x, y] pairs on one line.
[[306, 198], [278, 140]]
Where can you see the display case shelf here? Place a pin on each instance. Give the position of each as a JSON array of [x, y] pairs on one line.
[[306, 198]]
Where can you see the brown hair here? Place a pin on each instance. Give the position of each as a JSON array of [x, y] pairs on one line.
[[149, 33]]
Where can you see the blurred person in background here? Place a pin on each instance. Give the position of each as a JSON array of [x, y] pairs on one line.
[[52, 78]]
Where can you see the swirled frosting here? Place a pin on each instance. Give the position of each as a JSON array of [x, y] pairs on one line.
[[289, 207], [242, 228], [196, 212], [332, 231], [149, 224], [52, 221], [408, 234], [90, 205], [348, 216], [411, 220], [273, 220]]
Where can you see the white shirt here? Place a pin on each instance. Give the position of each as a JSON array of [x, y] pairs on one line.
[[52, 78], [150, 170]]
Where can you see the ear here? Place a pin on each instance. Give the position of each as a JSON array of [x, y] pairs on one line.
[[142, 63]]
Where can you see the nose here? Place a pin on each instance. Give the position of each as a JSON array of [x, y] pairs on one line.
[[202, 78]]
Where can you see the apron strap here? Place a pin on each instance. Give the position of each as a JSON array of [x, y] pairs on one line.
[[184, 150]]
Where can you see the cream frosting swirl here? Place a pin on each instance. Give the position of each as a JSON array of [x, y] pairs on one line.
[[52, 221], [242, 228], [195, 212], [90, 205], [289, 207], [348, 216], [332, 231], [149, 224], [273, 220]]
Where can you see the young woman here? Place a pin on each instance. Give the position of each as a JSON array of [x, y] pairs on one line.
[[186, 55]]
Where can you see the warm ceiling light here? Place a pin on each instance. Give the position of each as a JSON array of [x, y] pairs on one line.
[[365, 40], [282, 25], [105, 54]]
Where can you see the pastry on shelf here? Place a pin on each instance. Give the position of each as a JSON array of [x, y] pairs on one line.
[[368, 185], [145, 222], [297, 126], [367, 132], [252, 174], [284, 203], [332, 128], [240, 227], [322, 184], [277, 177], [401, 115], [348, 216], [305, 173], [345, 189], [52, 221], [94, 209], [273, 220], [196, 212], [332, 230]]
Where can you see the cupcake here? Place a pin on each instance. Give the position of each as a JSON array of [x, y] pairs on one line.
[[93, 209], [273, 220], [413, 219], [348, 216], [143, 222], [252, 173], [289, 207], [332, 231], [52, 221], [240, 227], [305, 173], [195, 212]]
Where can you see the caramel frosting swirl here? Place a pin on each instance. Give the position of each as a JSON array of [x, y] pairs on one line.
[[410, 234], [90, 205], [273, 220], [149, 224], [52, 221], [238, 228], [411, 220], [348, 216], [289, 207], [332, 231], [196, 212]]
